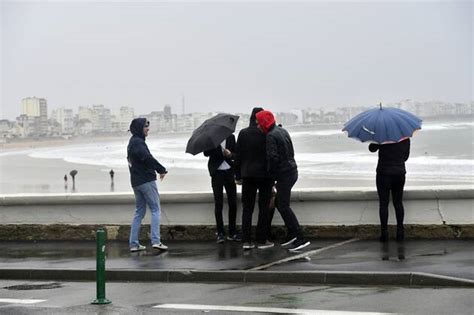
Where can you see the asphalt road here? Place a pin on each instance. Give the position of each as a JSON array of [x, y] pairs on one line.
[[143, 298]]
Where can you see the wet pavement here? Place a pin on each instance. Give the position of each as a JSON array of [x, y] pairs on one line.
[[453, 258]]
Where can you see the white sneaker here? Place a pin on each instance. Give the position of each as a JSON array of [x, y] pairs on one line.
[[160, 246], [138, 248], [248, 246], [267, 244], [299, 244], [288, 241]]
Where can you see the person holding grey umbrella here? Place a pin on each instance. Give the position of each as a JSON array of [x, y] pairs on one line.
[[215, 138], [221, 170]]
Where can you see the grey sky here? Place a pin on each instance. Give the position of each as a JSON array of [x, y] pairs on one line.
[[232, 56]]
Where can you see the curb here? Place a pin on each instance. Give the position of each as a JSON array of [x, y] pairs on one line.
[[406, 279]]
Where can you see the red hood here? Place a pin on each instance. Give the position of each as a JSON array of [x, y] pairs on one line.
[[266, 120]]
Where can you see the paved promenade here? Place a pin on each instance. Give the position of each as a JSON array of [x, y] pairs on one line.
[[345, 262]]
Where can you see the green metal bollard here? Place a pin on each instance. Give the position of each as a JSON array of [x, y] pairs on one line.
[[100, 269]]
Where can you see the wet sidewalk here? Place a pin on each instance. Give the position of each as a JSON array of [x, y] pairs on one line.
[[413, 262]]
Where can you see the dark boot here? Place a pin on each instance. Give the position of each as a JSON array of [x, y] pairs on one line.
[[383, 235], [400, 233]]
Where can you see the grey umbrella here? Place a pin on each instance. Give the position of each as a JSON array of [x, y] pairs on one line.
[[212, 132]]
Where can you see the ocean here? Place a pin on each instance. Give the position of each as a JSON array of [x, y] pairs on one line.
[[441, 154]]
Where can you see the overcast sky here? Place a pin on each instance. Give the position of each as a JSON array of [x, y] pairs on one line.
[[231, 56]]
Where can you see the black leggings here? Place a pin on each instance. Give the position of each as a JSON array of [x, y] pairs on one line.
[[221, 180], [395, 183]]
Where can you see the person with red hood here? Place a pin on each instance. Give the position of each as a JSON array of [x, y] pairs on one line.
[[281, 166]]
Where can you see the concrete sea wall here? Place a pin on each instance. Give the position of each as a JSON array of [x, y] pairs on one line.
[[444, 212]]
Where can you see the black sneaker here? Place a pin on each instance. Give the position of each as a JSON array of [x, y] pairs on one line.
[[235, 238], [289, 241], [220, 238], [299, 244]]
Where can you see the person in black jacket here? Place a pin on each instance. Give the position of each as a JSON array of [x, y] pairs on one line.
[[220, 167], [251, 170], [391, 177], [143, 168], [281, 166]]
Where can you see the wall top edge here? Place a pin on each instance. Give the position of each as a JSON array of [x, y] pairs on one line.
[[313, 194]]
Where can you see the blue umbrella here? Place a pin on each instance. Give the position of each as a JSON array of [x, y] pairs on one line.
[[382, 125]]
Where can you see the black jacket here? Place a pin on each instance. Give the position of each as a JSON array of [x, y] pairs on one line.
[[216, 157], [250, 159], [280, 152], [141, 163], [392, 157]]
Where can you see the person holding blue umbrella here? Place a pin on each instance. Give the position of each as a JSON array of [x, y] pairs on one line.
[[391, 177], [389, 131]]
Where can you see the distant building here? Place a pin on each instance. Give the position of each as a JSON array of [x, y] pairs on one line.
[[65, 117], [84, 113], [28, 126], [84, 127], [286, 119], [36, 109], [121, 120], [167, 111], [5, 128], [101, 119], [299, 115]]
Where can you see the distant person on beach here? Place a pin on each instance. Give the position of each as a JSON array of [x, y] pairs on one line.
[[251, 171], [143, 168], [281, 166], [391, 177], [220, 167]]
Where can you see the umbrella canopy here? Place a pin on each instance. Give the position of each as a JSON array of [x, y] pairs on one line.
[[212, 132], [382, 125]]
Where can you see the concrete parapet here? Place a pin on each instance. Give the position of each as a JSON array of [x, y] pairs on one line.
[[440, 212]]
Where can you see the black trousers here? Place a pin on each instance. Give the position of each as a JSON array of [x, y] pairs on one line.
[[249, 192], [385, 184], [284, 185], [221, 180]]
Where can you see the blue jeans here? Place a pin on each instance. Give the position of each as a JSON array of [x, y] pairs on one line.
[[146, 194]]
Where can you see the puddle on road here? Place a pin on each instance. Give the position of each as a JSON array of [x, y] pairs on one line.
[[438, 253], [40, 286]]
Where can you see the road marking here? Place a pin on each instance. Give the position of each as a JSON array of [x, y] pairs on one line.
[[305, 254], [272, 310], [21, 301]]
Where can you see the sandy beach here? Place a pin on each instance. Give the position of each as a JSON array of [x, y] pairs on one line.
[[326, 158], [23, 174]]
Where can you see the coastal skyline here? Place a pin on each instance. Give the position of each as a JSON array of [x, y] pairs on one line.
[[232, 56]]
